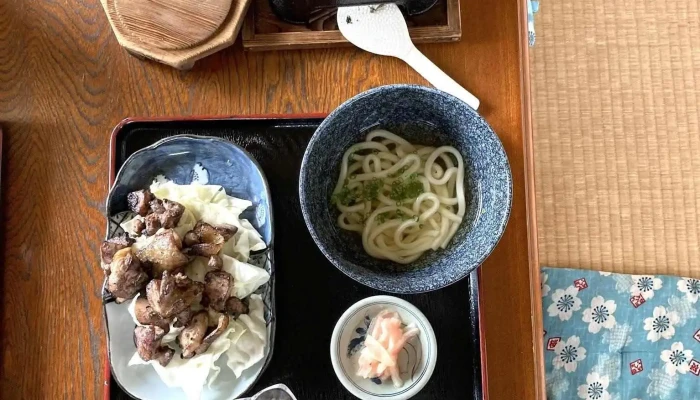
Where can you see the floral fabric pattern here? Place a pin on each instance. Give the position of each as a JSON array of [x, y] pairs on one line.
[[677, 359], [595, 388], [568, 354], [645, 285], [612, 336], [660, 325], [691, 287], [600, 315], [565, 303]]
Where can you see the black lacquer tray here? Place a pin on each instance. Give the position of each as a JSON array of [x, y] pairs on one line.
[[311, 294]]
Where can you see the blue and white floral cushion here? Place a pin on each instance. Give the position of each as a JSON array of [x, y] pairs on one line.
[[533, 6], [620, 337]]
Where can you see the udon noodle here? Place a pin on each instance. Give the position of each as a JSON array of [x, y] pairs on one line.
[[403, 198]]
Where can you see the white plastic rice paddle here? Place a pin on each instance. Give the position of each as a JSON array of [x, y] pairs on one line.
[[381, 29]]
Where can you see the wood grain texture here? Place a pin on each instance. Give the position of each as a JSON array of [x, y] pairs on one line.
[[171, 24], [263, 30], [181, 57], [530, 201], [616, 90], [65, 82]]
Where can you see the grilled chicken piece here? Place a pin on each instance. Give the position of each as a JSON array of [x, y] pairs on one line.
[[139, 226], [183, 318], [138, 201], [213, 317], [148, 344], [215, 262], [190, 239], [235, 307], [221, 326], [190, 339], [151, 224], [194, 339], [126, 276], [111, 246], [206, 240], [169, 212], [173, 294], [226, 230], [164, 252], [146, 315], [155, 213], [217, 285]]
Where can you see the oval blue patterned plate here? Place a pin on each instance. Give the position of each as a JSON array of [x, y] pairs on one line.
[[424, 116], [185, 159], [416, 360]]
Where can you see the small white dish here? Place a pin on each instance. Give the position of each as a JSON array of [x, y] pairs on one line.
[[416, 361]]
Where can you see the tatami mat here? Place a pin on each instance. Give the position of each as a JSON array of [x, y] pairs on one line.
[[616, 109]]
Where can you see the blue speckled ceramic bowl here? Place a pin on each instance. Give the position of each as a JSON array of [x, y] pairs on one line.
[[424, 116], [186, 159]]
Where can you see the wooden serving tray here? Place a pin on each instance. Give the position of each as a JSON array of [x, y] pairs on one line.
[[263, 30]]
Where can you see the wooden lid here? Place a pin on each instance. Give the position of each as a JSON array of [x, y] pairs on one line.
[[172, 24], [175, 32]]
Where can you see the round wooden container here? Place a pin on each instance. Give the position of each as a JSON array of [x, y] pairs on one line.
[[175, 32]]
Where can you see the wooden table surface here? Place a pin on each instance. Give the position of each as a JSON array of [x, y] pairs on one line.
[[65, 82]]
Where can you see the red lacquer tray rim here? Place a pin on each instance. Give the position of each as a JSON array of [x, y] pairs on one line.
[[107, 372]]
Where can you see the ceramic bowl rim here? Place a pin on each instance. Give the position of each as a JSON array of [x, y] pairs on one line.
[[193, 138], [429, 334], [337, 261]]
